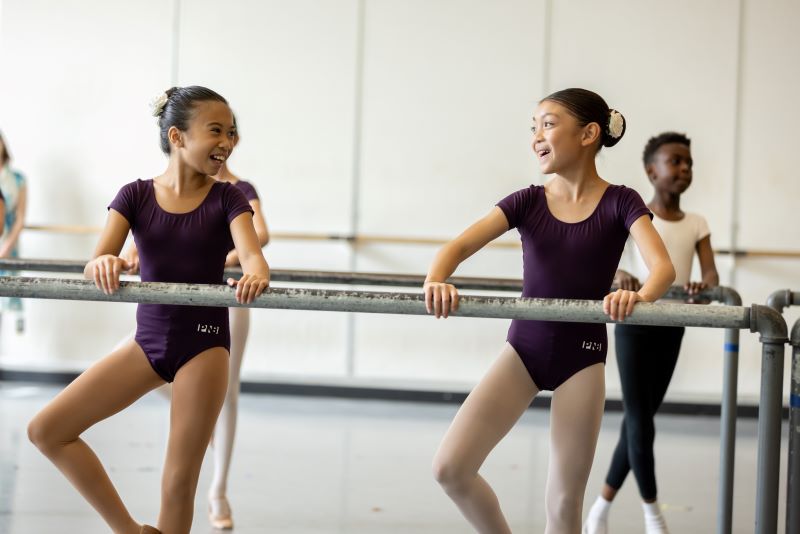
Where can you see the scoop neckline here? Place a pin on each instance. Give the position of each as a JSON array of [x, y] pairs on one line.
[[590, 216], [155, 200]]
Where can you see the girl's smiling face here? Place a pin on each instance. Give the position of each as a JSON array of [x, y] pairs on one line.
[[210, 138], [558, 139]]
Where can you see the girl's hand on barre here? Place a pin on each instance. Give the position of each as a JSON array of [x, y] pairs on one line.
[[248, 287], [440, 298], [105, 271], [620, 303], [693, 289]]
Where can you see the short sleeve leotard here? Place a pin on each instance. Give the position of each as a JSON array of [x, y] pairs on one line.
[[183, 248], [567, 261]]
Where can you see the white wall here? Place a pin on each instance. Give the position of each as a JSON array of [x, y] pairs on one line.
[[422, 141]]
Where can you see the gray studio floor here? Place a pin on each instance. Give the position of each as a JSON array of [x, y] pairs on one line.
[[306, 465]]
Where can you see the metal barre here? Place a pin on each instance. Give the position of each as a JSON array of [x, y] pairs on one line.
[[762, 319], [587, 311]]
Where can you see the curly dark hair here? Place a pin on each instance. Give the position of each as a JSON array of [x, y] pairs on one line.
[[660, 140]]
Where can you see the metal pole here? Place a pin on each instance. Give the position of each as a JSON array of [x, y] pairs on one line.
[[770, 324], [783, 298], [793, 469], [779, 300], [588, 311], [727, 439]]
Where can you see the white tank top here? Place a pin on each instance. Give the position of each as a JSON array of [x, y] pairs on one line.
[[680, 237]]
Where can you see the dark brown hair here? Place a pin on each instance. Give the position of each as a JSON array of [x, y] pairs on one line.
[[179, 108], [587, 107]]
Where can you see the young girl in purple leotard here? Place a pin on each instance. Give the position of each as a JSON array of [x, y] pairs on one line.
[[219, 510], [184, 223], [573, 231]]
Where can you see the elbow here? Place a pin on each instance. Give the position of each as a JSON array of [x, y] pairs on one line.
[[263, 239], [669, 272]]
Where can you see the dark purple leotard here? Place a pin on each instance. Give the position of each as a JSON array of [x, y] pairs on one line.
[[247, 188], [180, 247], [567, 261]]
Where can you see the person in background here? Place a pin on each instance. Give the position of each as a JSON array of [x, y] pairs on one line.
[[646, 355], [15, 192]]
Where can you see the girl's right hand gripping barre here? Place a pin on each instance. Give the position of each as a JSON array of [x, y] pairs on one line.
[[440, 298], [106, 270], [249, 286]]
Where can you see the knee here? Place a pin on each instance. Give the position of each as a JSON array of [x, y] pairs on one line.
[[450, 475], [564, 509], [41, 434], [642, 434]]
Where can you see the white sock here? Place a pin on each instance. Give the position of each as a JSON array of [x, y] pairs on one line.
[[597, 519], [654, 522]]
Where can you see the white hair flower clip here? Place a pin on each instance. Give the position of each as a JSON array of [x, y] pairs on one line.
[[158, 103], [616, 124]]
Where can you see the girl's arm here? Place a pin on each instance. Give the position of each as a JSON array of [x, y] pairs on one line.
[[708, 268], [620, 303], [105, 265], [260, 224], [2, 215], [440, 296], [19, 223], [255, 277]]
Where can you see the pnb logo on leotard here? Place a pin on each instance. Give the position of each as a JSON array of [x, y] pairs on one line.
[[592, 345], [207, 329]]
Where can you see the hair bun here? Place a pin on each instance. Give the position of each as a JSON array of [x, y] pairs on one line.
[[158, 103], [615, 128]]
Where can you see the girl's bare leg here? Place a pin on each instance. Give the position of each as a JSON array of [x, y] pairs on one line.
[[197, 395], [104, 389], [488, 413], [575, 416]]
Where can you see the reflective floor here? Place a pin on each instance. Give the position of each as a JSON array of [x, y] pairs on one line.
[[313, 466]]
